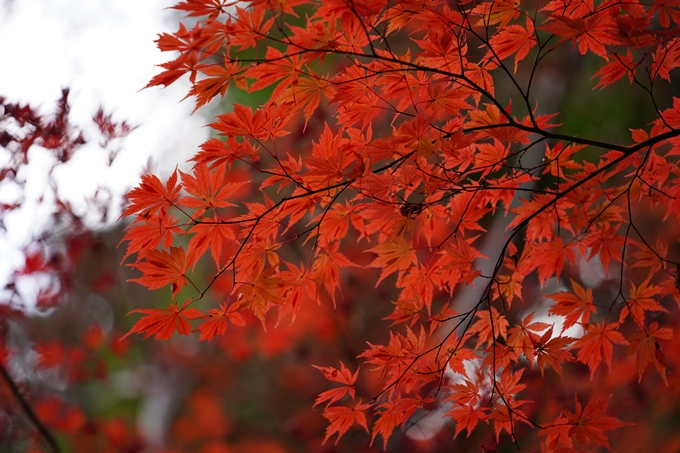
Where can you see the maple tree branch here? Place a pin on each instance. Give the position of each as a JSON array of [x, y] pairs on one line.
[[511, 121], [569, 189], [28, 410], [558, 196]]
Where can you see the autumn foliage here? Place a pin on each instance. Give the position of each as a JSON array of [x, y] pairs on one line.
[[394, 135], [409, 157]]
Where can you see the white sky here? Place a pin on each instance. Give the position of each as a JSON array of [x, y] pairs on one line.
[[104, 51]]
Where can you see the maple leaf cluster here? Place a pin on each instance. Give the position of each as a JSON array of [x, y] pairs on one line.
[[388, 142]]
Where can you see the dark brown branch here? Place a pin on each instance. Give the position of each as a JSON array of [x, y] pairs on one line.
[[30, 413]]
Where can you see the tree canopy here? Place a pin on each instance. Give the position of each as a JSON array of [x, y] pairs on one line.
[[461, 215]]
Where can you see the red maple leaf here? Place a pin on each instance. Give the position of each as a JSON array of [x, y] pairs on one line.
[[164, 323], [394, 413], [591, 34], [575, 307], [207, 189], [525, 335], [393, 256], [327, 266], [647, 350], [161, 268], [588, 423], [642, 298], [597, 344], [343, 376], [342, 418], [152, 196], [216, 323], [606, 244], [487, 330], [513, 40], [217, 82], [553, 351]]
